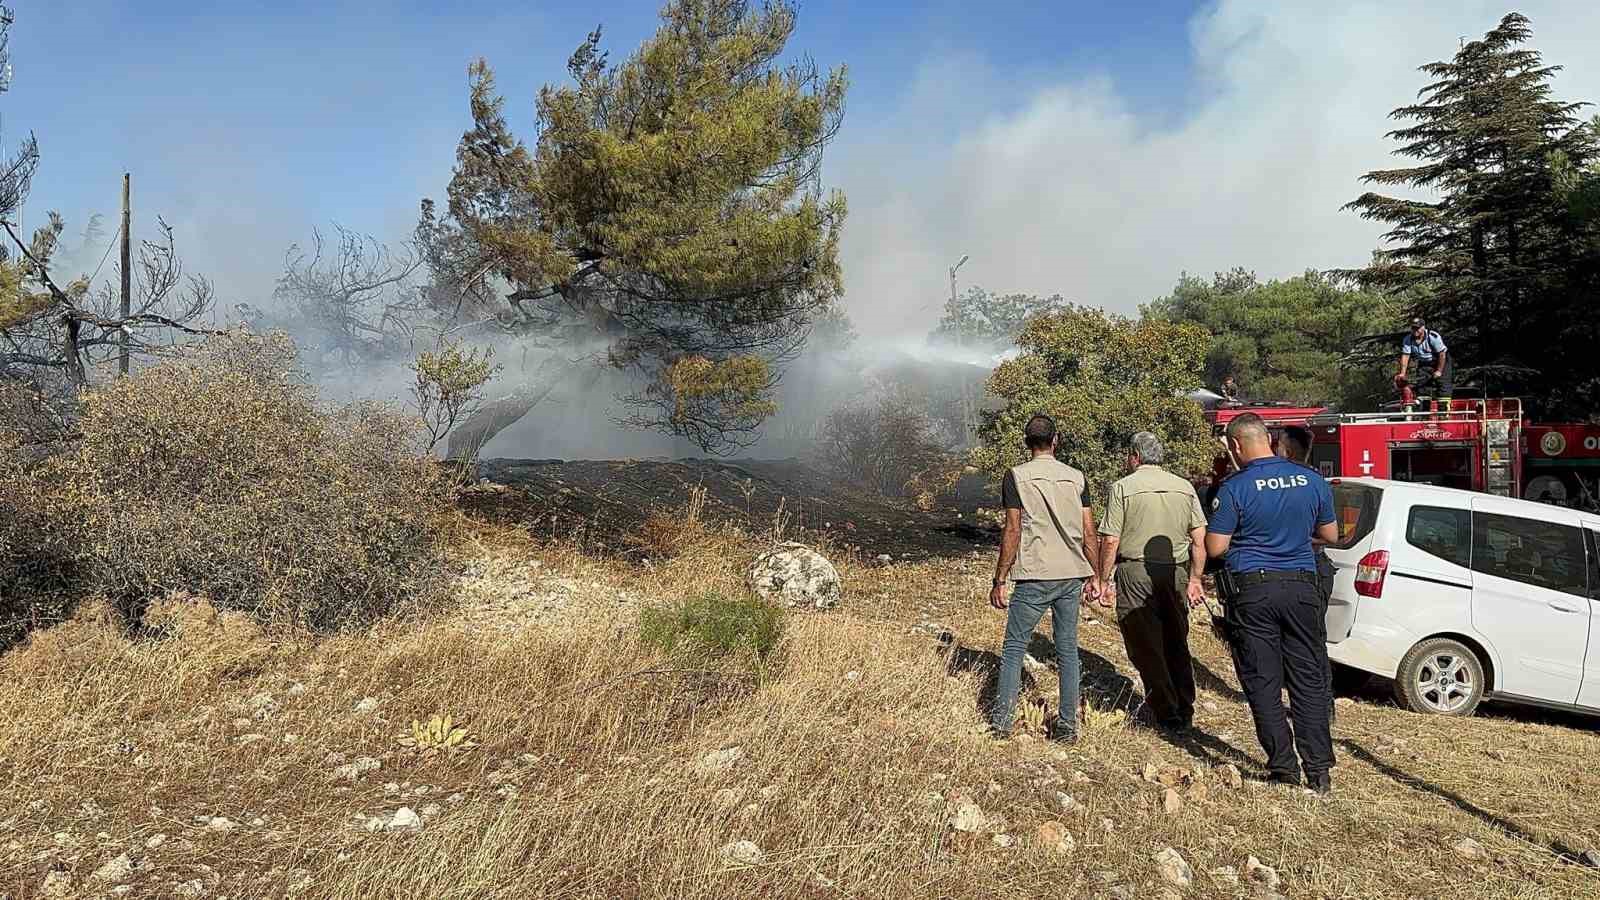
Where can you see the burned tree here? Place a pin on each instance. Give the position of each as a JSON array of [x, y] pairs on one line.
[[351, 297], [669, 216], [52, 335]]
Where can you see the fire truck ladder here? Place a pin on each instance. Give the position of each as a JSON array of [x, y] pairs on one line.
[[1501, 434]]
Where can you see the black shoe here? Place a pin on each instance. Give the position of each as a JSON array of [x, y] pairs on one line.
[[1285, 778], [1320, 782], [1058, 733]]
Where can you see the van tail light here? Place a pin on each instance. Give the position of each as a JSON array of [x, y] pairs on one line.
[[1370, 572]]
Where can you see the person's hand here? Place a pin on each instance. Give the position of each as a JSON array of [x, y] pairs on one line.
[[1438, 373], [997, 596], [1197, 594], [1108, 594]]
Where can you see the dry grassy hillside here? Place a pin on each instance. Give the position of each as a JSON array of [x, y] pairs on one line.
[[213, 759]]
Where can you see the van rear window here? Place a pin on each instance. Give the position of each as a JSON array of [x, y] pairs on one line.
[[1355, 511]]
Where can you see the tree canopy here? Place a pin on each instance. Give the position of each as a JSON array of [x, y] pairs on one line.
[[668, 213], [1299, 340], [980, 319], [1102, 378], [1501, 261]]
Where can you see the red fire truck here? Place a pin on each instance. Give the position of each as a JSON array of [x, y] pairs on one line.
[[1481, 445]]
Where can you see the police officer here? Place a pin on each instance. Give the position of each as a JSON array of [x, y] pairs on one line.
[[1266, 516], [1295, 446]]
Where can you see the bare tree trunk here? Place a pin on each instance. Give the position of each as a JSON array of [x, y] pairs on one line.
[[496, 416]]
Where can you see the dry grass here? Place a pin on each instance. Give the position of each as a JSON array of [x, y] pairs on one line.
[[586, 779]]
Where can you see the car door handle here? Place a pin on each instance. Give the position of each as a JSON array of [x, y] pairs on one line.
[[1561, 607]]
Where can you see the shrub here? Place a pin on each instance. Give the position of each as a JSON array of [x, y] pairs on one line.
[[714, 626], [888, 445], [217, 474], [665, 533]]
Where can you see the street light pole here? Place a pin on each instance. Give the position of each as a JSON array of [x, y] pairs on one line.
[[959, 263]]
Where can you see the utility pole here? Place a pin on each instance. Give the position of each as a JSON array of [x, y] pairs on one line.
[[969, 412], [127, 273]]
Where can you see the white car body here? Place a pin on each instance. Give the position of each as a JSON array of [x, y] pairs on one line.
[[1516, 582]]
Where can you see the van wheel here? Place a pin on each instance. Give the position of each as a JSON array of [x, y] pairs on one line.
[[1440, 676], [1348, 680]]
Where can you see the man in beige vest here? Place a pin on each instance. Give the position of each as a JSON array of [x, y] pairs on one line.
[[1153, 534], [1046, 546]]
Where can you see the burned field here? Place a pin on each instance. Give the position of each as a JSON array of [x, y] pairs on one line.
[[606, 500]]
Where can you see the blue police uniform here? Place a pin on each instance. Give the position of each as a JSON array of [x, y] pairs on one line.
[[1275, 615]]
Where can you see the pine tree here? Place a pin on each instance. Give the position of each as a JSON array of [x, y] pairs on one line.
[[1496, 260], [669, 211]]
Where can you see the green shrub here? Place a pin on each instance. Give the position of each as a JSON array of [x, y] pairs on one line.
[[714, 626]]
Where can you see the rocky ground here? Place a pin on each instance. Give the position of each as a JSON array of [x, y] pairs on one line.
[[216, 760]]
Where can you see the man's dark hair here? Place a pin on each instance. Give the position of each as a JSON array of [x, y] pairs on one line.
[[1040, 432], [1297, 442]]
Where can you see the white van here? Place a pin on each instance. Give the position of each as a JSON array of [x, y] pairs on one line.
[[1460, 596]]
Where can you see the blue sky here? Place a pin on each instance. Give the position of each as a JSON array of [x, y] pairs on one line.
[[245, 124]]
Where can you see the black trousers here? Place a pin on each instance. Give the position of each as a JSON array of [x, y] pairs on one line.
[[1277, 632]]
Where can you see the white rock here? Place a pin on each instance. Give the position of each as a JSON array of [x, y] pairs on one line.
[[796, 576], [718, 761], [965, 815], [1003, 840], [454, 799], [743, 853], [220, 824], [852, 675], [115, 871], [431, 810], [391, 788], [1266, 876], [367, 704], [154, 841], [1467, 848], [251, 738], [1068, 804], [354, 770], [56, 885], [727, 798], [1226, 874], [296, 689], [1174, 868], [404, 819], [195, 888]]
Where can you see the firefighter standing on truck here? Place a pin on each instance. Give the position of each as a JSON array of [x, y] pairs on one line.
[[1267, 513], [1435, 369]]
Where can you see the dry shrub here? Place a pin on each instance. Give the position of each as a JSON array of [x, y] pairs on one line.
[[888, 445], [666, 534], [218, 474]]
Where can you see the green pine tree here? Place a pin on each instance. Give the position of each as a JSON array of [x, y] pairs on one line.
[[669, 210], [1498, 259]]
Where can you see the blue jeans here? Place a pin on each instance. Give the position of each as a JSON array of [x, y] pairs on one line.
[[1029, 600]]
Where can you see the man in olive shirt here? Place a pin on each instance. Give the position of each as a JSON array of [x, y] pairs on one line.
[[1154, 534], [1046, 546]]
